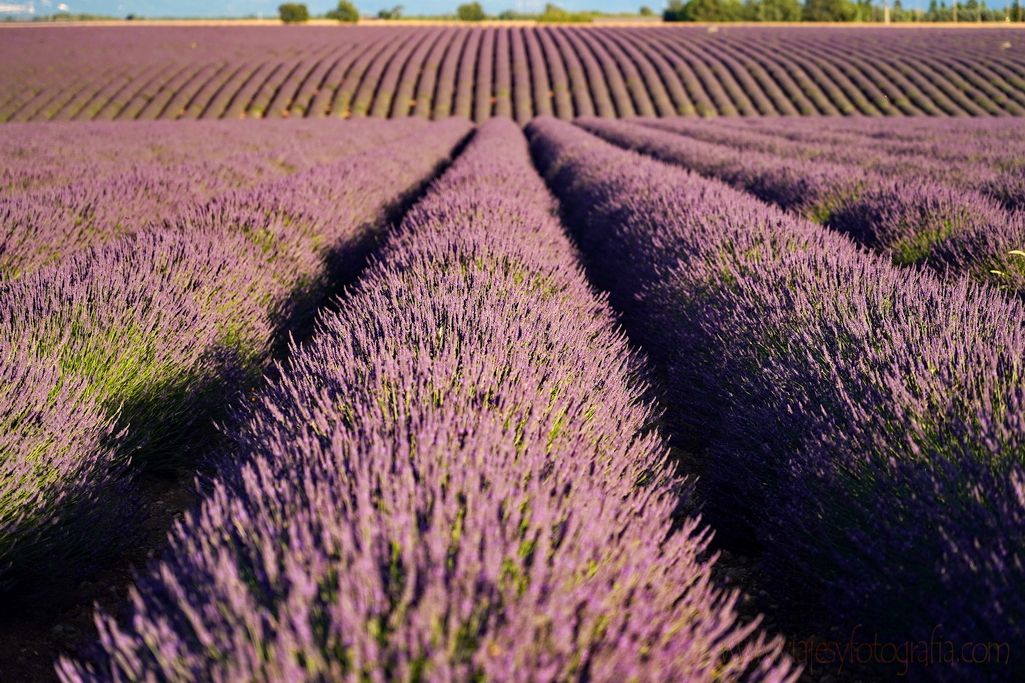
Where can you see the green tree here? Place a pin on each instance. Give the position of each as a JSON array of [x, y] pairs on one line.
[[704, 10], [899, 15], [938, 11], [1016, 11], [773, 10], [646, 11], [471, 11], [393, 13], [293, 13], [346, 12], [557, 15], [675, 11], [864, 10], [828, 10], [714, 10]]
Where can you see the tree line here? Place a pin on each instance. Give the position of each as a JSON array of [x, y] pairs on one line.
[[837, 10], [718, 10]]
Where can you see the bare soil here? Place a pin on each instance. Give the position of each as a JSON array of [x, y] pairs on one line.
[[34, 635]]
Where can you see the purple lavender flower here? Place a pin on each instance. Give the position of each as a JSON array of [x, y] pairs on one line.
[[456, 478], [862, 422]]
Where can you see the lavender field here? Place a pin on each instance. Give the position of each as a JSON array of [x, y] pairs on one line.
[[537, 380], [210, 72]]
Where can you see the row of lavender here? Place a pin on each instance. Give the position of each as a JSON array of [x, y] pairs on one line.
[[456, 479], [112, 354], [229, 154], [966, 218], [862, 423], [922, 138], [978, 154], [438, 71], [70, 188]]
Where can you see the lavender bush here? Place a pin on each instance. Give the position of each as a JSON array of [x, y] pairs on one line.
[[908, 219], [59, 481], [981, 155], [58, 208]]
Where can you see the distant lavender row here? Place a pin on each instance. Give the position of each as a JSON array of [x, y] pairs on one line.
[[958, 161], [987, 157], [886, 131], [125, 347], [913, 221], [99, 203], [150, 72], [455, 480], [37, 157], [863, 422]]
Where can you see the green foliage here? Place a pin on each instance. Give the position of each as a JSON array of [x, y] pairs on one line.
[[393, 13], [864, 10], [554, 14], [772, 10], [675, 11], [899, 15], [715, 10], [969, 10], [829, 10], [471, 11], [704, 10], [683, 10], [346, 12], [293, 12]]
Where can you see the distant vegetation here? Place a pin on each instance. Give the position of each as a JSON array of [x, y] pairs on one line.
[[474, 11], [554, 14], [393, 13], [835, 10], [965, 11], [728, 11], [734, 11], [66, 16], [346, 12], [293, 13], [471, 11]]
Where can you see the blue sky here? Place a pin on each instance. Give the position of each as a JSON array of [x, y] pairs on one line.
[[267, 8]]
